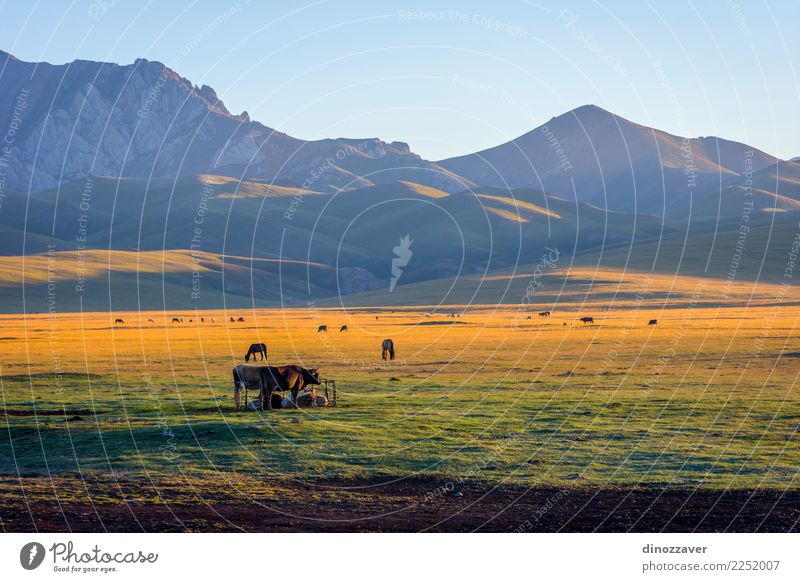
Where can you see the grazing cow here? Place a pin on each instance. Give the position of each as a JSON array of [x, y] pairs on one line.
[[652, 322], [269, 379], [118, 321], [322, 328], [343, 328], [387, 349], [256, 349], [587, 319], [240, 320], [175, 320], [544, 314]]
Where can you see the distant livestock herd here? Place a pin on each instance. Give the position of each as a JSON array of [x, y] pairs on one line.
[[293, 378]]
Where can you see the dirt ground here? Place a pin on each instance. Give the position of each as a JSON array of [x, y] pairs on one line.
[[406, 505]]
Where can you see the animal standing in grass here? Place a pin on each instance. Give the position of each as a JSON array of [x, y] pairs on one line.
[[544, 314], [269, 379], [652, 322], [343, 328], [119, 321], [255, 349], [322, 328], [387, 349], [587, 320]]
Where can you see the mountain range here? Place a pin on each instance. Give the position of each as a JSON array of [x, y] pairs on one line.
[[103, 158]]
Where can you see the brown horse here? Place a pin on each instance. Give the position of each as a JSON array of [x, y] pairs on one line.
[[387, 349], [256, 349], [269, 379]]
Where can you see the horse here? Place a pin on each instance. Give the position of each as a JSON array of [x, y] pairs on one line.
[[322, 328], [175, 320], [240, 320], [281, 378], [387, 348], [256, 349], [118, 321], [269, 379], [652, 322], [233, 320], [343, 328], [544, 314], [587, 320], [151, 321]]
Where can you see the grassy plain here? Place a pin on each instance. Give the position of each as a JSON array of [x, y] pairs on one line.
[[706, 399]]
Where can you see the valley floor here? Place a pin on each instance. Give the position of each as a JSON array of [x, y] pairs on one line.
[[486, 421]]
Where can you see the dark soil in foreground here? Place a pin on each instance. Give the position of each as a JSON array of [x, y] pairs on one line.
[[407, 505]]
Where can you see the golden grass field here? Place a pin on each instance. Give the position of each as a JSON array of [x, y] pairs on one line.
[[704, 401]]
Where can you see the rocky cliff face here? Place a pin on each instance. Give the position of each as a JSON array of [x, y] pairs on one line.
[[65, 122]]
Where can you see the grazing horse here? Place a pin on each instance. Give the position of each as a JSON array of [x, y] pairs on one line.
[[587, 320], [322, 328], [240, 320], [118, 321], [544, 314], [387, 348], [256, 349], [343, 328], [269, 379], [150, 321], [652, 322], [175, 320]]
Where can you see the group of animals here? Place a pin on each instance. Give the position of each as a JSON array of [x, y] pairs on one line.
[[270, 379], [586, 320], [387, 347], [120, 321]]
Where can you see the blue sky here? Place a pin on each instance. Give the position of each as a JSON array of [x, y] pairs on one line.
[[452, 77]]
